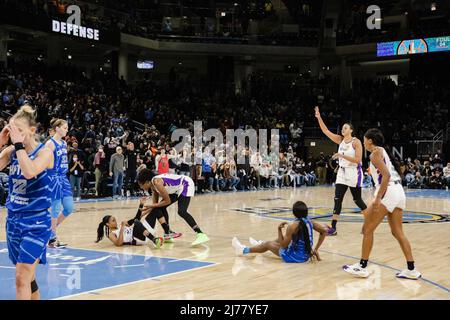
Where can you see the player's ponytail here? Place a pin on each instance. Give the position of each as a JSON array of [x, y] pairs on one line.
[[55, 122], [395, 162], [101, 228], [300, 211], [377, 138], [28, 113]]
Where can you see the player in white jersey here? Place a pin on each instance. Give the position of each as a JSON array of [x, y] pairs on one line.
[[389, 200], [131, 232], [350, 174], [172, 188]]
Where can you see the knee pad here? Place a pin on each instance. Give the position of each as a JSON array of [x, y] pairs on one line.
[[34, 286], [67, 206], [337, 205], [55, 209]]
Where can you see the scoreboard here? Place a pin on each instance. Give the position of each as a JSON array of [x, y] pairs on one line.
[[413, 46]]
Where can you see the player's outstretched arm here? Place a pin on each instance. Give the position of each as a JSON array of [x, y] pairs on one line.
[[333, 137]]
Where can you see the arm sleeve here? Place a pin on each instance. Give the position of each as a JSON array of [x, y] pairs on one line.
[[137, 217]]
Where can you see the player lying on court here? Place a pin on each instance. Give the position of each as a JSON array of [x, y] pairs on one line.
[[296, 244], [133, 231]]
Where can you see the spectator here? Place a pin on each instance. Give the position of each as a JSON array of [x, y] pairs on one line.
[[321, 164], [100, 168], [283, 170], [255, 163], [184, 163], [3, 188], [131, 157], [437, 161], [436, 181], [75, 151], [116, 170], [417, 182], [162, 162], [76, 173], [447, 174], [208, 169]]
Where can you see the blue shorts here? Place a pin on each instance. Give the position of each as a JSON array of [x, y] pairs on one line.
[[66, 188], [27, 235], [286, 256], [61, 188]]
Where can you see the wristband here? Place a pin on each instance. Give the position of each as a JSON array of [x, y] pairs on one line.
[[19, 146]]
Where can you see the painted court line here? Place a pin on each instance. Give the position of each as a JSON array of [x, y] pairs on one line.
[[130, 265], [389, 267], [132, 282], [143, 255]]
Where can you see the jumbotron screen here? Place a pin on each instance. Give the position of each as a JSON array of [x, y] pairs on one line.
[[413, 46]]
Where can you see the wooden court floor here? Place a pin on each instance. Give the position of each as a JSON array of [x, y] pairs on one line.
[[257, 214]]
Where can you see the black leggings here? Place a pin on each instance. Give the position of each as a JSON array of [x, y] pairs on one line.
[[183, 204], [339, 194], [138, 231]]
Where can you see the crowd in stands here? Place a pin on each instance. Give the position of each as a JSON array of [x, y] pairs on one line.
[[189, 20], [422, 19], [107, 139]]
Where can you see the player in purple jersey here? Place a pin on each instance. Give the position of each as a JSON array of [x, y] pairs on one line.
[[28, 225], [172, 188]]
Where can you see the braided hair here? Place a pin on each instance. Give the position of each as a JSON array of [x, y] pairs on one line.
[[300, 211], [102, 227]]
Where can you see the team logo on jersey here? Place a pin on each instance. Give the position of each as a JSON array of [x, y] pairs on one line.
[[347, 214]]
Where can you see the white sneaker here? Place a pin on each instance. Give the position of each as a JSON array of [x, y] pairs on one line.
[[409, 274], [357, 270], [238, 247], [254, 242]]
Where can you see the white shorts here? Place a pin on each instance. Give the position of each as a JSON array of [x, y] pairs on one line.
[[350, 176], [394, 197], [188, 187]]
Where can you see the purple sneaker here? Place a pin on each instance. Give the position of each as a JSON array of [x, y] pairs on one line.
[[332, 231]]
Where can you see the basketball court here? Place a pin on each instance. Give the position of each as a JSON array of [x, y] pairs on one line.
[[86, 270]]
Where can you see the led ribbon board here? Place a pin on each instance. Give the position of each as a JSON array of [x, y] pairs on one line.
[[413, 46]]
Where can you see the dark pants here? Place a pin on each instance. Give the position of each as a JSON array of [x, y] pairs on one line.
[[75, 182], [183, 204], [339, 194], [130, 181]]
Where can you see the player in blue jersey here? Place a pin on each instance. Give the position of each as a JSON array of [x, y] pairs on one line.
[[28, 224], [62, 191], [293, 246]]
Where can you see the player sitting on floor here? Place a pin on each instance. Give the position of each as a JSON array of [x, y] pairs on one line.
[[131, 232], [295, 245]]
